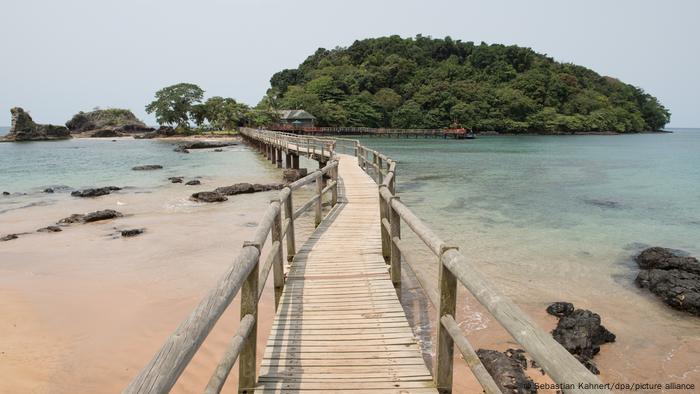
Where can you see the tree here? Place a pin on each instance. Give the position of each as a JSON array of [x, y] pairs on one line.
[[173, 105]]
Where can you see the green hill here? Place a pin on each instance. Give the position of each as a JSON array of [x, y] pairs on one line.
[[423, 82]]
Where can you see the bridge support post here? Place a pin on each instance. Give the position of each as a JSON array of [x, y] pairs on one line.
[[295, 162], [288, 160], [273, 156], [395, 222], [279, 158], [445, 343], [277, 267], [319, 199], [249, 306]]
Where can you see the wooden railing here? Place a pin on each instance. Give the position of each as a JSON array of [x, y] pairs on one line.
[[455, 268], [247, 276]]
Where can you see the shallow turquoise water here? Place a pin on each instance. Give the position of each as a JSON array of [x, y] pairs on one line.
[[32, 166]]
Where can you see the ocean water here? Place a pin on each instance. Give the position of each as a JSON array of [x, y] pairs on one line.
[[29, 167]]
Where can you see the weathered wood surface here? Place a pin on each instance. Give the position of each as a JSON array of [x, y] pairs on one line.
[[339, 326]]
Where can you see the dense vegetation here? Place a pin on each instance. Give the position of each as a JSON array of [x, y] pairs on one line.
[[183, 104], [431, 83]]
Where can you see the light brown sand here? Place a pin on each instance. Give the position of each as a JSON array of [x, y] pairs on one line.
[[84, 309]]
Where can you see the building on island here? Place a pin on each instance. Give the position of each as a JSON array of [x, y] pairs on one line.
[[296, 118]]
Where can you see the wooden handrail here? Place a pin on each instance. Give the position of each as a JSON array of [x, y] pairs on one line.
[[244, 275], [455, 268]]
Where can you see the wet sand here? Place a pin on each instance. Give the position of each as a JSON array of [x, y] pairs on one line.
[[84, 309]]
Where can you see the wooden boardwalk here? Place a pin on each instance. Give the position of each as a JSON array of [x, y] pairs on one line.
[[340, 326]]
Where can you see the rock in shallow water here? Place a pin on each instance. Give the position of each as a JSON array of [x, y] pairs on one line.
[[243, 188], [193, 182], [209, 197], [9, 237], [90, 217], [176, 179], [132, 232], [507, 370], [560, 309], [581, 333], [49, 229], [672, 276], [96, 192], [147, 167], [5, 193]]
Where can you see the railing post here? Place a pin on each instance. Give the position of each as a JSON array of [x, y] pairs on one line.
[[277, 265], [380, 175], [395, 259], [249, 306], [354, 143], [334, 177], [384, 214], [445, 344], [319, 198], [289, 214]]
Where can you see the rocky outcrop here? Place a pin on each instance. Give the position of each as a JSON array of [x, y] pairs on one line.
[[508, 370], [243, 188], [291, 174], [187, 146], [8, 237], [148, 167], [176, 179], [100, 191], [209, 197], [672, 276], [132, 232], [24, 129], [580, 332], [90, 217], [49, 229], [110, 122], [162, 131], [193, 182]]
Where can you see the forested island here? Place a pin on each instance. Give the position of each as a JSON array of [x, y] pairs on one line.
[[424, 82]]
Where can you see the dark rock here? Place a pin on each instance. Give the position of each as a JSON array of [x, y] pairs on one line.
[[243, 188], [110, 120], [193, 182], [5, 193], [49, 229], [101, 191], [665, 259], [671, 275], [132, 232], [581, 334], [176, 179], [162, 131], [603, 203], [181, 149], [74, 218], [205, 144], [24, 129], [218, 150], [209, 197], [507, 372], [9, 237], [48, 190], [147, 167], [106, 133], [101, 215], [560, 309], [291, 174]]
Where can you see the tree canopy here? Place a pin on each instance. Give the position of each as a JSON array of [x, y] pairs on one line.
[[182, 104], [173, 104], [423, 82]]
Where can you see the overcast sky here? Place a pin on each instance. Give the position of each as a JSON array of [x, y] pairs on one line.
[[61, 57]]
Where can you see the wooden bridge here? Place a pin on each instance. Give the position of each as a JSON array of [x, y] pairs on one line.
[[339, 326], [456, 133]]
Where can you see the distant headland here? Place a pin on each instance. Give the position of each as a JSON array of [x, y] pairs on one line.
[[398, 83]]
